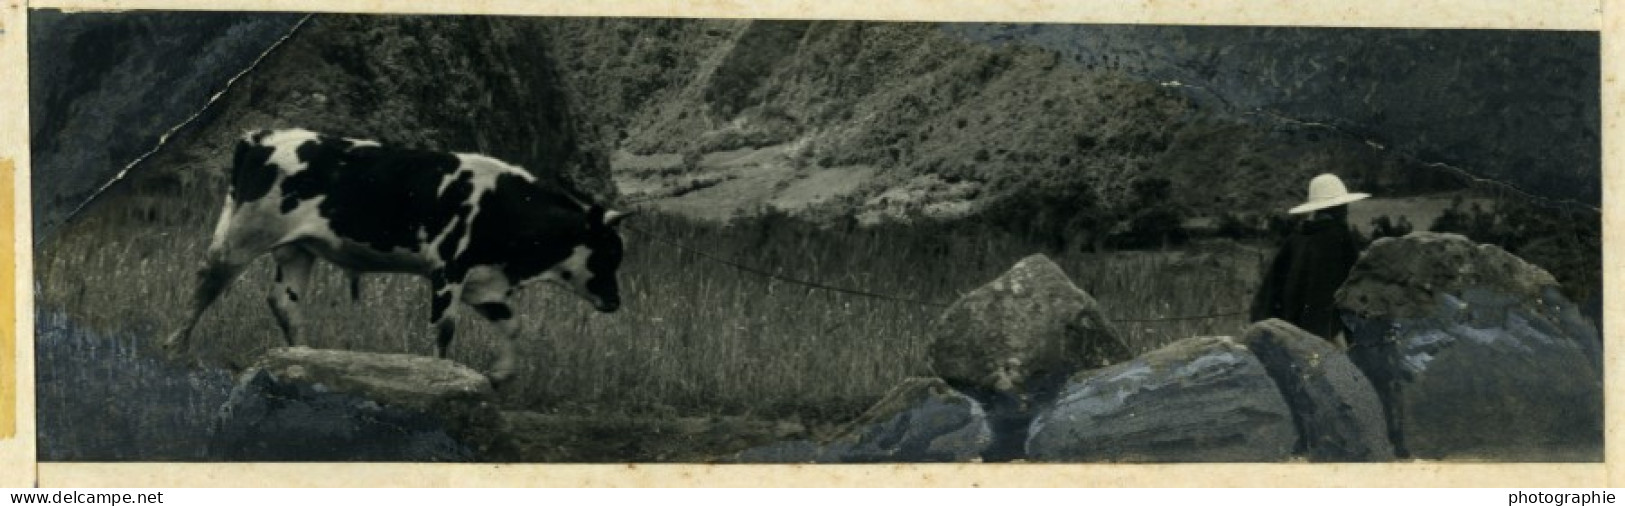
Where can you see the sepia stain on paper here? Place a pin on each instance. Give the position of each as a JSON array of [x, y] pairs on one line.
[[8, 315]]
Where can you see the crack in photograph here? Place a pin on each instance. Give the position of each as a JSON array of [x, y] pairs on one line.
[[451, 238]]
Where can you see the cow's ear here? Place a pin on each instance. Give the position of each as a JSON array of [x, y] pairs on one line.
[[613, 218]]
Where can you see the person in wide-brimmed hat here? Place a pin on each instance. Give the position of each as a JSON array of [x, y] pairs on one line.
[[1313, 262]]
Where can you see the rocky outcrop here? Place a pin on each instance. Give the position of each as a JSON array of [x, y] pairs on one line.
[[1023, 333], [301, 404], [1334, 407], [1475, 353], [1203, 399], [920, 420]]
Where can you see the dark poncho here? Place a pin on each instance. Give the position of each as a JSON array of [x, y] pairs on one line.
[[1307, 271]]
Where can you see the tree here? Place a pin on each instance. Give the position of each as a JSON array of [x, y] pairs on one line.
[[1403, 227], [1156, 221]]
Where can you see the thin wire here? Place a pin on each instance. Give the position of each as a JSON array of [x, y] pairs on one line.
[[861, 293], [1179, 318], [780, 277]]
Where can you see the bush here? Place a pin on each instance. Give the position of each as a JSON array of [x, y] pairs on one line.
[[1234, 227], [1567, 242]]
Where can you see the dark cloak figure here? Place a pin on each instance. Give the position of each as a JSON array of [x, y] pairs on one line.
[[1312, 263]]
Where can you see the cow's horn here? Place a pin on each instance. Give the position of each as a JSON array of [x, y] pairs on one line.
[[613, 218]]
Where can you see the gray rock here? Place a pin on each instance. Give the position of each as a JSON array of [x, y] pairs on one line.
[[921, 420], [300, 404], [1475, 353], [1203, 399], [1334, 407], [1012, 343], [1029, 327]]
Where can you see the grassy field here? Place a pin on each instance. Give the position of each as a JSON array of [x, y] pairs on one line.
[[694, 337]]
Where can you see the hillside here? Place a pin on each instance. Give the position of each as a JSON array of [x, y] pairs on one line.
[[1519, 106], [915, 118], [1089, 135], [1072, 136], [718, 118]]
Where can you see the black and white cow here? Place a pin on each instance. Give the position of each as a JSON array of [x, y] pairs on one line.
[[476, 227]]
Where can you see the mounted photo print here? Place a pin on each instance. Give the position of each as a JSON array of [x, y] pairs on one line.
[[372, 237]]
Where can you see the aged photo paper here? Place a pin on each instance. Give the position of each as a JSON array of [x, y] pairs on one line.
[[18, 467], [16, 371]]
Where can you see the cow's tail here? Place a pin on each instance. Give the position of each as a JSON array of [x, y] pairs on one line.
[[217, 241]]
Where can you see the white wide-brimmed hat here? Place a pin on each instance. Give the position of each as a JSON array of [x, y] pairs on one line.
[[1326, 190]]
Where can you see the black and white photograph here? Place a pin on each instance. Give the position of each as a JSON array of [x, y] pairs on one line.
[[332, 237]]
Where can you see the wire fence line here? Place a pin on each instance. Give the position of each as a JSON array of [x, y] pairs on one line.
[[863, 293], [779, 277]]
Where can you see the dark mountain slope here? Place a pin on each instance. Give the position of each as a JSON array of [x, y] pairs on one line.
[[949, 123], [104, 87], [1511, 105], [464, 83]]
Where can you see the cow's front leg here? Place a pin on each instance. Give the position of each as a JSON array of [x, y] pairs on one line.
[[487, 291], [507, 323], [445, 292]]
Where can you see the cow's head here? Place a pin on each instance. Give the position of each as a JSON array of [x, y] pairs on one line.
[[590, 272]]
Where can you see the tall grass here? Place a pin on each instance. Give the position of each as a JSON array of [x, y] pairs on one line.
[[694, 336]]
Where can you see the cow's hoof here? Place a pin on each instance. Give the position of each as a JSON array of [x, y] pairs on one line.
[[499, 378], [175, 346]]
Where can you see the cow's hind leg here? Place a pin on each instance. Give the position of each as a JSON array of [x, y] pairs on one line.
[[487, 290], [234, 245], [502, 315], [217, 273], [293, 266]]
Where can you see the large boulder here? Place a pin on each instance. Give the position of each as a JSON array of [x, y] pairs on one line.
[[330, 405], [1203, 399], [1023, 332], [1475, 353], [1334, 407], [920, 420]]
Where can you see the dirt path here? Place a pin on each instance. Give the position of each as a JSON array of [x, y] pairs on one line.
[[727, 183], [601, 438]]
